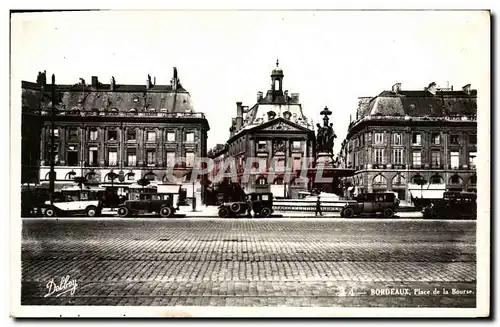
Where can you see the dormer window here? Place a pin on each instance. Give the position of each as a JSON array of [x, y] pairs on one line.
[[271, 114], [136, 99]]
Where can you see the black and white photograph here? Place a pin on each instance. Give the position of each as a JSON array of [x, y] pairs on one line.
[[279, 163]]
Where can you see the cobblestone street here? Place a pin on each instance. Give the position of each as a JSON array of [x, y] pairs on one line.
[[249, 262]]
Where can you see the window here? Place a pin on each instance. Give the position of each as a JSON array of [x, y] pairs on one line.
[[436, 138], [151, 136], [171, 136], [379, 138], [368, 137], [262, 145], [297, 164], [261, 181], [56, 132], [473, 139], [131, 135], [417, 158], [72, 156], [472, 159], [73, 134], [398, 156], [112, 157], [189, 159], [93, 156], [190, 137], [151, 157], [296, 145], [398, 180], [93, 134], [379, 156], [170, 159], [436, 179], [416, 139], [397, 139], [379, 180], [435, 158], [262, 163], [112, 135], [454, 139], [131, 157], [454, 159]]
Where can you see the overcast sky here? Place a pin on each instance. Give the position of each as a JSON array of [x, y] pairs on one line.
[[329, 57]]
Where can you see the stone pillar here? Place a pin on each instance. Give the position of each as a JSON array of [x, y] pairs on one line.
[[43, 141], [140, 146], [102, 147], [62, 145]]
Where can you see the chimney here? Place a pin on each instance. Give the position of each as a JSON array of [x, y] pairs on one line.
[[175, 80], [259, 95], [467, 88], [396, 88], [432, 88], [42, 78], [154, 80], [239, 116], [148, 82], [295, 97], [112, 84], [95, 81]]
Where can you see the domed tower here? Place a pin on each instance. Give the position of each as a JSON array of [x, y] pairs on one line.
[[277, 81]]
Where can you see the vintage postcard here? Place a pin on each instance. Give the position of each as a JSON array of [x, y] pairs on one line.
[[250, 163]]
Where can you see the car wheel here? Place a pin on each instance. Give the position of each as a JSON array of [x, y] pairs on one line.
[[91, 211], [165, 212], [223, 213], [265, 212], [388, 212], [50, 212], [123, 211], [235, 207], [348, 212]]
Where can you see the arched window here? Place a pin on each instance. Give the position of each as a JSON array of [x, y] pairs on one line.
[[418, 179], [398, 180], [436, 179], [278, 181], [70, 176], [379, 181], [261, 181], [150, 176], [47, 176], [130, 176], [455, 179]]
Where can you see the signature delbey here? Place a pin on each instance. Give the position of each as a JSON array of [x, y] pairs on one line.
[[65, 286]]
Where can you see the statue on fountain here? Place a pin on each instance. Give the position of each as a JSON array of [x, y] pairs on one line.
[[325, 137]]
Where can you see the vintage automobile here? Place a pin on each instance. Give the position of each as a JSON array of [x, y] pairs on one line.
[[74, 201], [454, 204], [372, 203], [260, 203], [164, 204]]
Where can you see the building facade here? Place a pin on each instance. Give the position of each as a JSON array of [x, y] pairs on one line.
[[275, 133], [133, 131], [416, 143]]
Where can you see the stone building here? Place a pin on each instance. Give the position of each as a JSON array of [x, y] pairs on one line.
[[416, 143], [133, 131], [276, 133]]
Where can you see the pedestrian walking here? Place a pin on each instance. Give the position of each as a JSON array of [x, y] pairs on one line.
[[318, 208]]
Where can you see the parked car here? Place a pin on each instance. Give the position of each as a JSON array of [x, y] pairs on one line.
[[260, 203], [164, 204], [74, 201], [372, 203], [454, 204]]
